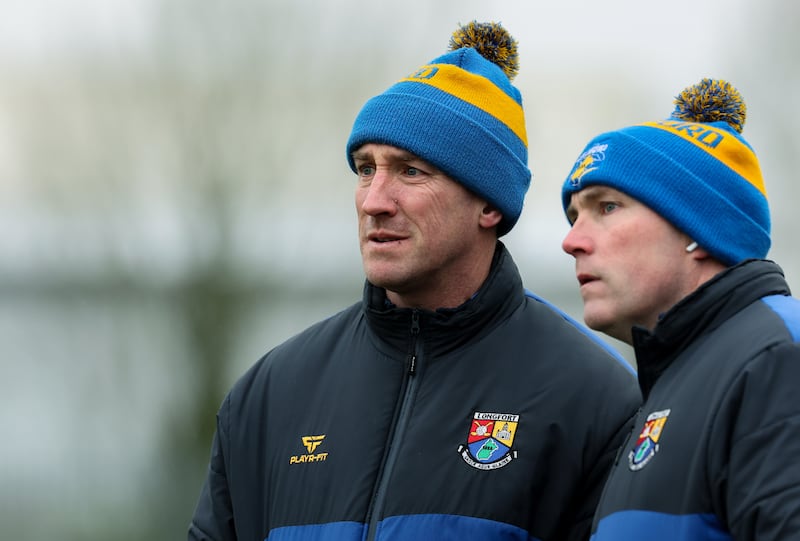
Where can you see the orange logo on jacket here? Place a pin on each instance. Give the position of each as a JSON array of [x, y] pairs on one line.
[[310, 443]]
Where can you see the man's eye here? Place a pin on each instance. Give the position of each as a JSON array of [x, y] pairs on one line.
[[412, 172], [609, 207], [366, 170]]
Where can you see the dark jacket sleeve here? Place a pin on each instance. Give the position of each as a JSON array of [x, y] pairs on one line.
[[607, 398], [213, 516], [761, 482], [595, 478]]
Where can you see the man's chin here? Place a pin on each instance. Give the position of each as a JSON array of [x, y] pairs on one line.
[[597, 320], [383, 278]]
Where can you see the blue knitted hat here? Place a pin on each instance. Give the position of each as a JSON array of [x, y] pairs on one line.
[[694, 169], [460, 113]]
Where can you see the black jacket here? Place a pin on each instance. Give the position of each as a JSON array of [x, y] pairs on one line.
[[715, 451], [495, 420]]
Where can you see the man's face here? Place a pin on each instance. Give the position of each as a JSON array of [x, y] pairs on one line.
[[418, 229], [631, 264]]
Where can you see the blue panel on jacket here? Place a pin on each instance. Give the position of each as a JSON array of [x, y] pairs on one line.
[[334, 531], [448, 528], [584, 329], [630, 525], [788, 308], [407, 527]]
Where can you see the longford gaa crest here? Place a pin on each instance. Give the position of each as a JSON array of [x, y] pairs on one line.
[[647, 445], [489, 441]]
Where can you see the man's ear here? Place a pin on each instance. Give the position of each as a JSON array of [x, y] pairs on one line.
[[490, 217], [700, 253], [696, 251]]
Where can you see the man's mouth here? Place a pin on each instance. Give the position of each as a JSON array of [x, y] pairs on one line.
[[382, 238]]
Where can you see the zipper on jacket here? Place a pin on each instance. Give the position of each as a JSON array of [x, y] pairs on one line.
[[627, 440], [406, 399], [412, 353], [620, 451]]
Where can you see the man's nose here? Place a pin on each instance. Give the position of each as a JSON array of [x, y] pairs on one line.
[[576, 240], [379, 197]]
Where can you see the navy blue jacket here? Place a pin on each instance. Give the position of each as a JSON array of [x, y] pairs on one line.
[[715, 450], [495, 420]]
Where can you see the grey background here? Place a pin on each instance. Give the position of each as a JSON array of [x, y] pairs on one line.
[[174, 201]]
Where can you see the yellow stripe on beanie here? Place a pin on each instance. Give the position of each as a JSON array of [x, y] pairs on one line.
[[475, 90], [721, 144]]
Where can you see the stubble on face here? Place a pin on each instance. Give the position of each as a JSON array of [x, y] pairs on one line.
[[418, 228], [630, 262]]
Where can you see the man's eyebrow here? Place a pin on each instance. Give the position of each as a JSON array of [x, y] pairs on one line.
[[360, 156], [585, 197], [591, 194]]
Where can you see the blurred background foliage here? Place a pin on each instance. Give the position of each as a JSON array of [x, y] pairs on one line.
[[174, 201]]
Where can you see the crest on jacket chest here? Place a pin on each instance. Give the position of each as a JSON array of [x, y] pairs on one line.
[[489, 441], [647, 444]]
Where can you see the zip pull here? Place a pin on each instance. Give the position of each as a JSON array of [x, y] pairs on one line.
[[414, 323], [412, 355], [412, 364]]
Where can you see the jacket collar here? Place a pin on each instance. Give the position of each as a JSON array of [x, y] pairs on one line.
[[701, 312], [448, 328]]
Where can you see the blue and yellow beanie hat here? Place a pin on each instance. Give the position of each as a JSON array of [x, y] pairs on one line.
[[460, 113], [694, 169]]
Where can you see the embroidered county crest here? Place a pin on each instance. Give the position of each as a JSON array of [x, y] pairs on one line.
[[588, 161], [489, 442], [647, 445]]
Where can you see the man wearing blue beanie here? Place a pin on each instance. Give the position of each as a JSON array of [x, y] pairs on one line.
[[448, 403], [669, 230]]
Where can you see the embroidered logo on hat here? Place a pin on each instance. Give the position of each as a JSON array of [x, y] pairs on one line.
[[647, 444], [489, 442], [587, 162]]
